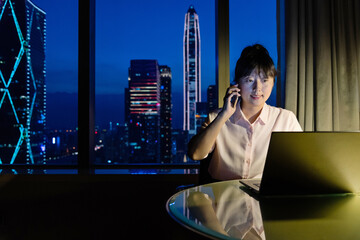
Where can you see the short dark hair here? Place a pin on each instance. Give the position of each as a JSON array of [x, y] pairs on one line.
[[254, 57]]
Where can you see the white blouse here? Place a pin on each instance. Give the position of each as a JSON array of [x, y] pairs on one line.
[[240, 148]]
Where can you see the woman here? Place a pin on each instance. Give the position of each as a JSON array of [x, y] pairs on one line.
[[238, 135]]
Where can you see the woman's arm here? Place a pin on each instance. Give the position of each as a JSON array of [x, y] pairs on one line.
[[200, 205], [201, 144]]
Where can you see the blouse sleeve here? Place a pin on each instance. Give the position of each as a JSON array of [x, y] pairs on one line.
[[206, 123]]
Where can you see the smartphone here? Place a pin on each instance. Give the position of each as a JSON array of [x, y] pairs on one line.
[[233, 100]]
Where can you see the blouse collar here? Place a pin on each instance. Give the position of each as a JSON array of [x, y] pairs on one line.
[[239, 116]]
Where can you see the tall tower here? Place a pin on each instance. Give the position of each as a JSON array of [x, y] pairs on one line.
[[22, 83], [165, 114], [192, 69], [144, 111]]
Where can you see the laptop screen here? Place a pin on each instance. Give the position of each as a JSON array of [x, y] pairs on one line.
[[312, 163]]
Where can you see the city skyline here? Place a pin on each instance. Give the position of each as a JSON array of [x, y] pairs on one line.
[[58, 81], [154, 32]]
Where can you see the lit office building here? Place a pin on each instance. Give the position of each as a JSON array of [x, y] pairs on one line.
[[179, 146], [201, 114], [212, 98], [165, 114], [22, 83], [192, 69], [144, 108]]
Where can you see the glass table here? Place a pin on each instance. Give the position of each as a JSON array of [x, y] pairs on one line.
[[226, 210]]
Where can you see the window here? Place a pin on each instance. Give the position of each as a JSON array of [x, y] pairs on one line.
[[142, 49], [252, 22], [140, 78]]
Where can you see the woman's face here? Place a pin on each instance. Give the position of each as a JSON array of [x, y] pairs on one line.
[[256, 88]]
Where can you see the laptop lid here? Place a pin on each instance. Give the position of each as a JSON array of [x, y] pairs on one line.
[[312, 163]]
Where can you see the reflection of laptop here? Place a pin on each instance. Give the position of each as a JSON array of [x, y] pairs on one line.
[[321, 217], [310, 163]]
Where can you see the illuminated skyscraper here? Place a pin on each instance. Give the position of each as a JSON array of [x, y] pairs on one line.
[[192, 69], [165, 114], [22, 82], [201, 114], [212, 98], [144, 111]]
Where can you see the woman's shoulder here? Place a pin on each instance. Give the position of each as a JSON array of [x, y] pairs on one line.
[[280, 111], [285, 119]]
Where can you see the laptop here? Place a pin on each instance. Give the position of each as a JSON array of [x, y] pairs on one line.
[[310, 163]]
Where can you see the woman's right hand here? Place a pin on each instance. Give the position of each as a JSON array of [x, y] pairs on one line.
[[230, 100], [202, 143]]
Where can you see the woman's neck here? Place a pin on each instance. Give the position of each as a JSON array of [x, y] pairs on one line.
[[251, 112]]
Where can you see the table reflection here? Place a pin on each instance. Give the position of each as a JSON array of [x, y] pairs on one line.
[[221, 214], [225, 211]]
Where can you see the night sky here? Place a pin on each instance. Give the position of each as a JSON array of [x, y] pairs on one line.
[[143, 29]]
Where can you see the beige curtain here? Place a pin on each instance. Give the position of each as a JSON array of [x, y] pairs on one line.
[[320, 41]]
